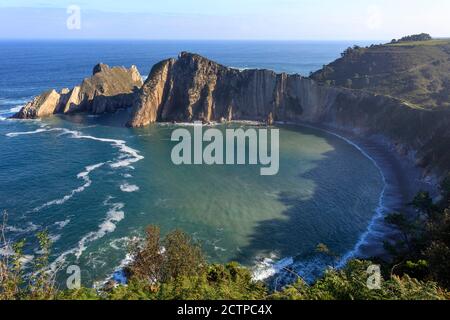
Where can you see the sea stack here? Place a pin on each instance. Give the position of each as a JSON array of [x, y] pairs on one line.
[[107, 90]]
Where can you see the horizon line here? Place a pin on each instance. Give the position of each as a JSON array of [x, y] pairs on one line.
[[194, 39]]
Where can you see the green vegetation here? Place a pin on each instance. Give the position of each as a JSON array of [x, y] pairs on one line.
[[350, 283], [424, 250], [419, 270], [435, 42], [423, 39], [414, 38], [14, 284], [414, 69]]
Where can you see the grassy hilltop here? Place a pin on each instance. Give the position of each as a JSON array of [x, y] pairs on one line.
[[415, 69]]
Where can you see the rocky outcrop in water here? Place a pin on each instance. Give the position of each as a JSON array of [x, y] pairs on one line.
[[107, 90], [195, 88]]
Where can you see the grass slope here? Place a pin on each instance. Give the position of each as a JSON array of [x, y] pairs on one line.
[[416, 72]]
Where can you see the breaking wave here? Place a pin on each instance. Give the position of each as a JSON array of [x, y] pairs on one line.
[[62, 224], [87, 183], [268, 267], [126, 158], [114, 215], [16, 109], [31, 227], [129, 188]]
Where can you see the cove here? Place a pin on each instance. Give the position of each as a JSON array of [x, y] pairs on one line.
[[326, 191]]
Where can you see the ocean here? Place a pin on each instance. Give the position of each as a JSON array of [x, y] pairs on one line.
[[94, 185]]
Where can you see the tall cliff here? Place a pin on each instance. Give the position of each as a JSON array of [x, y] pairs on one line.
[[195, 88], [106, 91]]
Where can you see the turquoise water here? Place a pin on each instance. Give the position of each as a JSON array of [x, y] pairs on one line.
[[95, 184]]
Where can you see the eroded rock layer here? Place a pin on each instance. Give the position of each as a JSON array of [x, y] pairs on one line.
[[107, 90]]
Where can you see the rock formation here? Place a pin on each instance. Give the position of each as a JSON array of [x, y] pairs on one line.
[[194, 88], [107, 90]]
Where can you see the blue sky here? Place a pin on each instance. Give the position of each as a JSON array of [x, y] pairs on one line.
[[226, 19]]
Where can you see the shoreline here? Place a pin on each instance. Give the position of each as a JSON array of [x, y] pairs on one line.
[[380, 211], [402, 181]]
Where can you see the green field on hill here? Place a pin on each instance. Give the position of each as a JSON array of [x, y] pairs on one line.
[[417, 72]]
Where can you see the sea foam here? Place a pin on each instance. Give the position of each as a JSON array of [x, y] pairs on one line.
[[114, 215], [16, 109], [87, 183], [268, 267], [31, 227], [126, 158], [129, 188], [16, 134], [62, 224]]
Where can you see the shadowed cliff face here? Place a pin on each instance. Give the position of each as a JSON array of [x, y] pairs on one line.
[[195, 88], [106, 91]]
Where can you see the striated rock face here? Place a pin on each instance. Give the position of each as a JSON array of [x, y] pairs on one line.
[[152, 95], [41, 106], [107, 90], [195, 88]]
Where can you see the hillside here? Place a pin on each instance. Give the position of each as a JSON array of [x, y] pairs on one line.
[[417, 72]]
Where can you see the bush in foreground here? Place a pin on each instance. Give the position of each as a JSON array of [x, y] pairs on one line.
[[174, 268]]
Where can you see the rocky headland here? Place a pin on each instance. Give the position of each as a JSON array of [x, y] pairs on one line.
[[192, 88]]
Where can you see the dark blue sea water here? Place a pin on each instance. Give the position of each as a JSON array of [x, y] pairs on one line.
[[94, 184]]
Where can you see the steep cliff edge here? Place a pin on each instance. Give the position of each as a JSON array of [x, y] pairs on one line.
[[107, 90], [194, 88]]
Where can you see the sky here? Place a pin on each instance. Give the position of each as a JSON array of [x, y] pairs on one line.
[[223, 19]]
